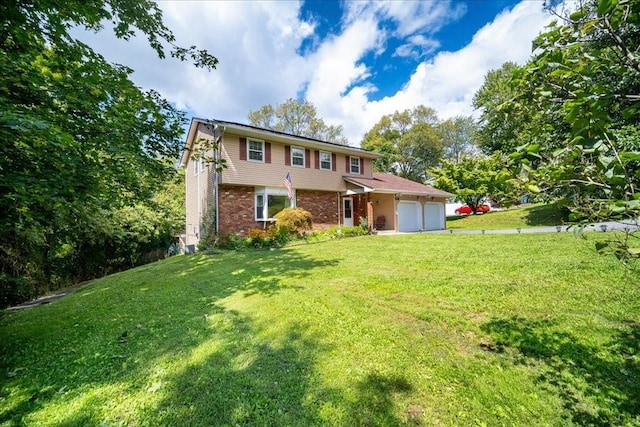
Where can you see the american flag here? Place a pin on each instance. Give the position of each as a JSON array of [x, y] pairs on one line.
[[287, 183]]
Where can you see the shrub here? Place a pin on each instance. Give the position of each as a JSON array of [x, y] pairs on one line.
[[14, 290], [364, 224], [339, 232], [294, 220], [208, 230]]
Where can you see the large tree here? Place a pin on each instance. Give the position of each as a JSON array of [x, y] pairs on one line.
[[585, 81], [297, 117], [458, 138], [475, 179], [408, 141], [78, 137]]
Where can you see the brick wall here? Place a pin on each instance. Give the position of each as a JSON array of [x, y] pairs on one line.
[[323, 206], [236, 209]]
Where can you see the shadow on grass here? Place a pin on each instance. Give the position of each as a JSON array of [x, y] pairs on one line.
[[115, 333], [158, 346], [546, 215], [598, 384]]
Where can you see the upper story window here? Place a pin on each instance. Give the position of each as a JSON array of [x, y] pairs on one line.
[[325, 161], [354, 163], [297, 157], [198, 165], [256, 150]]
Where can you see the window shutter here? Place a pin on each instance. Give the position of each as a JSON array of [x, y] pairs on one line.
[[267, 152], [307, 158], [348, 162], [317, 160], [333, 161], [361, 165], [287, 155], [243, 148]]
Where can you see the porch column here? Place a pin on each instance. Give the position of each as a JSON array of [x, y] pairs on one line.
[[370, 218]]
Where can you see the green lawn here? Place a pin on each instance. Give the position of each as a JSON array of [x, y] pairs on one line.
[[523, 217], [525, 329]]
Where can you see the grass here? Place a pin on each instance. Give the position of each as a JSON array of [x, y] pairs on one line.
[[520, 217], [530, 329]]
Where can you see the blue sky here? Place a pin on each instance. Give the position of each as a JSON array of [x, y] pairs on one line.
[[355, 61]]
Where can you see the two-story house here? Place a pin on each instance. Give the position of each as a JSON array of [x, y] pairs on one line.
[[335, 183]]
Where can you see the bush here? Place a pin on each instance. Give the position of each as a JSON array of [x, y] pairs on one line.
[[256, 238], [14, 290], [294, 220], [339, 232]]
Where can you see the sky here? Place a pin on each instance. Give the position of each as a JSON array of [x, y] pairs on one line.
[[354, 60]]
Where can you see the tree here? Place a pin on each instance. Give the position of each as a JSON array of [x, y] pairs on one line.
[[585, 78], [297, 117], [503, 124], [475, 179], [458, 136], [408, 142], [79, 139]]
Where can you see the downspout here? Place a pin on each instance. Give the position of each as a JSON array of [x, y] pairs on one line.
[[338, 194], [216, 176]]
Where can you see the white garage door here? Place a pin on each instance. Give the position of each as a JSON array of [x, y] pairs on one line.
[[434, 216], [408, 216]]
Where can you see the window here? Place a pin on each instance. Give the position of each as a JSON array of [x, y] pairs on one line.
[[256, 150], [297, 156], [198, 165], [259, 207], [325, 161], [355, 164], [270, 201]]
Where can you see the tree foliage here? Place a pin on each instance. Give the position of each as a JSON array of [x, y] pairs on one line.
[[474, 179], [458, 138], [408, 141], [297, 117], [82, 147], [585, 78]]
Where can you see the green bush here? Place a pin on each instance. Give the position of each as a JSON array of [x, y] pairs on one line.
[[340, 232], [294, 220], [14, 290]]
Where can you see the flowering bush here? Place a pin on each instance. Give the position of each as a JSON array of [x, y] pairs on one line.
[[294, 220]]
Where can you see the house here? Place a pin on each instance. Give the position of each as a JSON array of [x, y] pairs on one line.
[[335, 183]]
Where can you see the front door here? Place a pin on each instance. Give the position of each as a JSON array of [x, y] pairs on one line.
[[347, 209]]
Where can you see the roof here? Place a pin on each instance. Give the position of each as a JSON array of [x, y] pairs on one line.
[[258, 132], [388, 183]]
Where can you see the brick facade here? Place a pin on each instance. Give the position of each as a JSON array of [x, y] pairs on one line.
[[323, 206], [236, 213], [236, 209]]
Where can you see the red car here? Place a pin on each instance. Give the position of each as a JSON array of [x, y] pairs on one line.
[[466, 209]]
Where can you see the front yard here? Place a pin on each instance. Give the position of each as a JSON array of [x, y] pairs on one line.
[[378, 330]]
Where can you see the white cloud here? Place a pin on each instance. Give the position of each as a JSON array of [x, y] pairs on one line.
[[448, 81], [417, 47], [261, 62]]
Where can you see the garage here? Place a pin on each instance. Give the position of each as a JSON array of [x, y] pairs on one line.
[[434, 216], [409, 216]]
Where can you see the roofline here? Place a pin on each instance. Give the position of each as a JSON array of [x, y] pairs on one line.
[[262, 132], [392, 191]]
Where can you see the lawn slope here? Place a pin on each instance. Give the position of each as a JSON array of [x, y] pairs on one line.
[[518, 217], [377, 330]]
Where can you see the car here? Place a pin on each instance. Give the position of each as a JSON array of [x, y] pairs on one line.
[[466, 209]]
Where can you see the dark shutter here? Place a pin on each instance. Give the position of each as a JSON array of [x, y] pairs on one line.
[[361, 165], [348, 162], [287, 155], [267, 152], [307, 158], [243, 148], [333, 161], [317, 160]]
